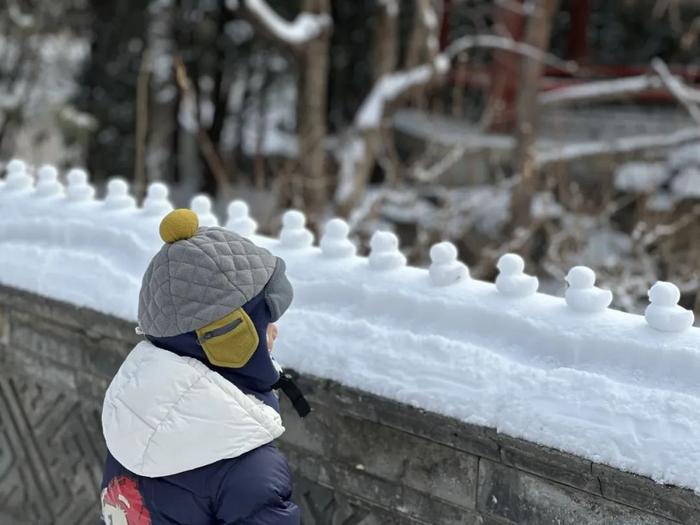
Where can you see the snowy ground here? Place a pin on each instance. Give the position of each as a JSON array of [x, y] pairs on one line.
[[605, 385]]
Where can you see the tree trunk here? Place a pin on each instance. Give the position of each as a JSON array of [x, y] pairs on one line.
[[311, 115], [386, 45], [360, 148], [162, 123], [503, 91], [538, 30]]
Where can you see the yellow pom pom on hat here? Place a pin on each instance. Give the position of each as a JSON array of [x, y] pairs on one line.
[[178, 225]]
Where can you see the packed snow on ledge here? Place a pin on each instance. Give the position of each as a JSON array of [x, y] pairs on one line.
[[567, 373]]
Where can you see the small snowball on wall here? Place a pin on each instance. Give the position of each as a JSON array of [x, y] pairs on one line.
[[201, 205], [118, 197], [47, 183], [512, 280], [384, 252], [335, 242], [239, 220], [156, 203], [79, 190], [664, 313], [582, 295], [294, 233], [445, 269]]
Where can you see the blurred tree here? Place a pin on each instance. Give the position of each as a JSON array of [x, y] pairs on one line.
[[108, 84]]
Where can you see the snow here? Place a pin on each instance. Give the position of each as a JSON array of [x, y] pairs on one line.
[[545, 206], [684, 156], [350, 154], [661, 202], [187, 115], [581, 150], [391, 6], [272, 133], [305, 27], [687, 183], [239, 31], [641, 177], [603, 385], [391, 86]]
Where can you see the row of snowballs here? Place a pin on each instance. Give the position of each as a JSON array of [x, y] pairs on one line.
[[663, 313]]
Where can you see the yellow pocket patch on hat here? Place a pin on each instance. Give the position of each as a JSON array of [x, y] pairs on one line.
[[230, 341]]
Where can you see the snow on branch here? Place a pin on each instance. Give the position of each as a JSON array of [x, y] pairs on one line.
[[430, 22], [467, 43], [677, 88], [601, 90], [622, 145], [304, 28], [391, 6], [391, 86]]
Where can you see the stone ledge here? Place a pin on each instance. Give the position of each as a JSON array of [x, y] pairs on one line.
[[323, 505], [527, 499], [90, 322], [384, 452], [549, 463], [610, 486], [636, 491], [397, 499], [479, 441]]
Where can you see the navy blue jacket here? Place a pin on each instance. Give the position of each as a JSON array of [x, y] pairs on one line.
[[252, 489]]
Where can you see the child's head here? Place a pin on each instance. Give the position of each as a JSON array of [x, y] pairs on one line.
[[216, 285]]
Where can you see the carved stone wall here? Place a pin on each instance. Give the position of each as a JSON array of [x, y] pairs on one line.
[[357, 459]]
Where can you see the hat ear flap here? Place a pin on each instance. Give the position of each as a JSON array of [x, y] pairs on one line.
[[231, 341], [278, 291]]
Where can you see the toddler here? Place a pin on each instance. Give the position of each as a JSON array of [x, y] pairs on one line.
[[191, 416]]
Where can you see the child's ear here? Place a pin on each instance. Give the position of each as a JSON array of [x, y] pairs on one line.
[[271, 335], [278, 291]]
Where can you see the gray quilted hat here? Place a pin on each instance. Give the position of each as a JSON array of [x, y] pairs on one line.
[[202, 274]]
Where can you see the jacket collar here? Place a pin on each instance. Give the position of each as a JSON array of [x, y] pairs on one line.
[[164, 413]]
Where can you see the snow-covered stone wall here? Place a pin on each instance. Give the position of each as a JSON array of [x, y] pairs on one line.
[[358, 458], [569, 373]]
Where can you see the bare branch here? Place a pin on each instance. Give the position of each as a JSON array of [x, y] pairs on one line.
[[467, 43], [386, 42], [677, 88], [423, 43], [141, 123], [666, 230], [206, 145]]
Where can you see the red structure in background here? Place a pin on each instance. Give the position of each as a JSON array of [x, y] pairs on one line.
[[500, 80]]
